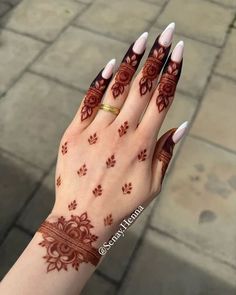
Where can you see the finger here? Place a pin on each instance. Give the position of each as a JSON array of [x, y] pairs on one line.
[[163, 95], [145, 82], [89, 105], [119, 87], [164, 152]]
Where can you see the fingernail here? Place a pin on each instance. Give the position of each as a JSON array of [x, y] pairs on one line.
[[178, 52], [180, 132], [167, 35], [108, 70], [140, 44]]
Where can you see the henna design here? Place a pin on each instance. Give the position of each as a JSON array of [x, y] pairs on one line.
[[82, 170], [126, 71], [94, 95], [97, 191], [108, 220], [168, 83], [127, 188], [142, 156], [123, 128], [93, 138], [111, 161], [153, 66], [69, 242], [58, 181], [64, 148], [72, 205]]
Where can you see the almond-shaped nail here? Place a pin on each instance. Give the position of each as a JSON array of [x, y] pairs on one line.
[[166, 36], [140, 44], [180, 132], [178, 52], [108, 70]]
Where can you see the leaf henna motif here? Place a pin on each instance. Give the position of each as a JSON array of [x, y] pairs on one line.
[[82, 170], [127, 188], [69, 243], [123, 128], [111, 161], [93, 138], [97, 191], [142, 156], [108, 220], [64, 148], [58, 181], [72, 205]]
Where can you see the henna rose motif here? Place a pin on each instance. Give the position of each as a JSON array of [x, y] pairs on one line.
[[68, 243], [127, 188], [108, 220]]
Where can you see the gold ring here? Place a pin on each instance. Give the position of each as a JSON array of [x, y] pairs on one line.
[[109, 108]]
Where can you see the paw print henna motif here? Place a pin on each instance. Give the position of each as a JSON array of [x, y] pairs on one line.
[[127, 188], [111, 161], [142, 156], [69, 243], [123, 128], [93, 138], [108, 220], [82, 170], [64, 148], [126, 71], [153, 66], [58, 181], [72, 205], [97, 191], [94, 95], [168, 83]]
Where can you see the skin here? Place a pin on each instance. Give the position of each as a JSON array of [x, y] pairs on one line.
[[107, 167]]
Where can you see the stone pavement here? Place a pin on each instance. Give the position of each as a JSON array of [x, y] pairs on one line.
[[184, 243]]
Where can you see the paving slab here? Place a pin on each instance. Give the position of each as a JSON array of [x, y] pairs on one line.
[[33, 116], [77, 56], [18, 181], [201, 20], [198, 62], [4, 7], [198, 204], [229, 3], [98, 285], [43, 19], [14, 244], [216, 119], [16, 52], [157, 2], [164, 266], [227, 63], [123, 20]]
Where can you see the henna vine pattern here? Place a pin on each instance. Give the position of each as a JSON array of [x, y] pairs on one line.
[[108, 220], [97, 191], [142, 156], [82, 170], [111, 161], [168, 83], [64, 148], [126, 71], [153, 66], [123, 128], [58, 181], [94, 95], [127, 188], [72, 205], [69, 243], [93, 138]]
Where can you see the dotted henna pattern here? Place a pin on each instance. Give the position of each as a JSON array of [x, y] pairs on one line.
[[123, 128], [97, 191], [127, 188], [108, 220]]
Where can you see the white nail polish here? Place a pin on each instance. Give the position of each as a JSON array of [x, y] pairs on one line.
[[108, 70], [178, 52], [179, 133], [167, 35], [140, 43]]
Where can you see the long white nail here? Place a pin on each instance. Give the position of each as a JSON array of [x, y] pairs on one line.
[[178, 52], [179, 133], [140, 43], [167, 35], [108, 70]]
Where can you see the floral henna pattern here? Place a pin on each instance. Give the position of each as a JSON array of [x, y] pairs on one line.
[[72, 205], [153, 66], [108, 220], [97, 191], [111, 161], [58, 181], [123, 128], [168, 83], [69, 243], [93, 139], [94, 95], [142, 156], [64, 148], [127, 188], [126, 71], [82, 170]]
